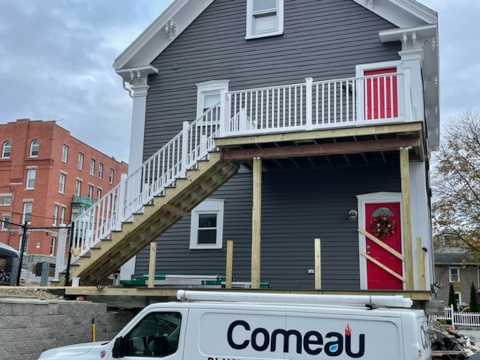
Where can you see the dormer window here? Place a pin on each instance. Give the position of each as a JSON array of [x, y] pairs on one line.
[[34, 148], [6, 148], [264, 18]]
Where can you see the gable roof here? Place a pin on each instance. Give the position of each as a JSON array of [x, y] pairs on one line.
[[181, 13]]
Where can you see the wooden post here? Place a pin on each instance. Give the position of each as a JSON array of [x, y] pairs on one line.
[[318, 265], [406, 221], [420, 265], [228, 270], [256, 222], [151, 264]]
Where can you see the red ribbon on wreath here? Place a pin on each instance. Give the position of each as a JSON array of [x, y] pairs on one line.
[[383, 225]]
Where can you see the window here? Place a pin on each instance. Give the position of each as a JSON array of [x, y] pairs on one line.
[[64, 153], [6, 150], [61, 183], [110, 176], [31, 173], [90, 191], [55, 214], [264, 18], [458, 299], [7, 200], [34, 148], [208, 94], [157, 335], [454, 274], [5, 220], [62, 215], [92, 167], [99, 193], [80, 161], [78, 187], [53, 244], [100, 170], [206, 229], [27, 212]]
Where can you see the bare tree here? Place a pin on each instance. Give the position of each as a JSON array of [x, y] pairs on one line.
[[456, 184]]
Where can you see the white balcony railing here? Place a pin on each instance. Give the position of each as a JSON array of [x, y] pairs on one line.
[[299, 107]]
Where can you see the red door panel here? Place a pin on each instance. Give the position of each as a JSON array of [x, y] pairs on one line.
[[381, 94], [378, 278]]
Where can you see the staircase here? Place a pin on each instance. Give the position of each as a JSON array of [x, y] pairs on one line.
[[157, 216], [146, 203]]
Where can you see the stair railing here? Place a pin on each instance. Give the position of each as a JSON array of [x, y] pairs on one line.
[[151, 179]]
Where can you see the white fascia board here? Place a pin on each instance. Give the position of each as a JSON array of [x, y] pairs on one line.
[[154, 39], [402, 13]]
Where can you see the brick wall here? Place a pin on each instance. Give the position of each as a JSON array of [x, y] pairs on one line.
[[28, 327]]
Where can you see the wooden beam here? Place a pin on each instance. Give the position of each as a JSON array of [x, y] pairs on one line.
[[412, 127], [406, 221], [151, 264], [382, 244], [174, 210], [229, 265], [420, 265], [352, 147], [256, 222], [378, 263], [318, 265]]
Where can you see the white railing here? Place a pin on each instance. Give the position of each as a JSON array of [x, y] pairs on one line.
[[151, 179], [316, 105], [307, 106], [456, 318]]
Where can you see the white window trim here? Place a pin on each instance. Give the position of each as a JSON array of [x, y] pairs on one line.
[[64, 176], [31, 148], [250, 15], [92, 167], [450, 273], [30, 171], [27, 201], [207, 206], [111, 176], [6, 217], [64, 153], [80, 161], [4, 147], [209, 87]]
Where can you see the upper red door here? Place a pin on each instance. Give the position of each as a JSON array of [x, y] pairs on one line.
[[381, 94], [378, 278]]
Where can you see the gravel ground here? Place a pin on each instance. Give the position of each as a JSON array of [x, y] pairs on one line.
[[26, 293]]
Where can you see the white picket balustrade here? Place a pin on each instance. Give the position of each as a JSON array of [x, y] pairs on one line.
[[311, 105], [468, 319]]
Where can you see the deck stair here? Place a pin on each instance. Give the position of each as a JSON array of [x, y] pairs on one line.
[[157, 216]]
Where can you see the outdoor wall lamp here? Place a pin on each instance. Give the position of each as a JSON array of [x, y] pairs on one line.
[[352, 215]]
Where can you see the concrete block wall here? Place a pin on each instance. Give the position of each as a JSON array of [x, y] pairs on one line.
[[28, 327]]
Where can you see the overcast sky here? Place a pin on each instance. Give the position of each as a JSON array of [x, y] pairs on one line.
[[56, 63]]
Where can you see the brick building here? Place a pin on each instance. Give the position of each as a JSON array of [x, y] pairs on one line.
[[47, 177]]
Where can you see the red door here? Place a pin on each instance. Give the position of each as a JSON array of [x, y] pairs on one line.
[[378, 278], [381, 94]]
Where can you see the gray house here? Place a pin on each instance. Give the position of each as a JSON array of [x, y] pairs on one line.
[[272, 124], [457, 267]]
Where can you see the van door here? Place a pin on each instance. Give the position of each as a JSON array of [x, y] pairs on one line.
[[159, 334]]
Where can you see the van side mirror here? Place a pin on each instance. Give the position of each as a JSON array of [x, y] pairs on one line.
[[118, 350]]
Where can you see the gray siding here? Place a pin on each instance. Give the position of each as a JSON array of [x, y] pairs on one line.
[[322, 39], [297, 207]]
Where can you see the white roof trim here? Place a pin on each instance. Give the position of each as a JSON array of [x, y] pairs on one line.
[[402, 13], [159, 34]]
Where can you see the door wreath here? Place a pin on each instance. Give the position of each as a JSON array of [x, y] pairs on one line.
[[383, 225]]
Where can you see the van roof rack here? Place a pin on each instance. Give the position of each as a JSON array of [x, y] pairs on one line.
[[371, 301]]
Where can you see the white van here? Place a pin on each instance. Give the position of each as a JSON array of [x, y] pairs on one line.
[[206, 325]]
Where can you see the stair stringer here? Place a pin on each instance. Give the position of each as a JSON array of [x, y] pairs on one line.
[[155, 219]]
